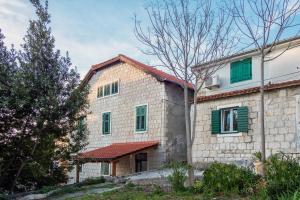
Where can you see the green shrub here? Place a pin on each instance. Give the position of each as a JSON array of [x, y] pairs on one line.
[[178, 176], [130, 185], [92, 181], [157, 190], [290, 196], [198, 186], [228, 178], [282, 174], [45, 189], [260, 195]]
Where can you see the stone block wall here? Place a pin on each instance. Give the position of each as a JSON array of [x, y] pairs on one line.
[[135, 88], [281, 119], [174, 125]]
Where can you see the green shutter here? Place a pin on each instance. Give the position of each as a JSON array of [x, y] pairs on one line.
[[104, 168], [106, 123], [242, 119], [241, 70], [215, 121], [141, 118]]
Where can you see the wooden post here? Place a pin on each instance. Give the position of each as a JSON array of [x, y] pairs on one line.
[[77, 172], [114, 168]]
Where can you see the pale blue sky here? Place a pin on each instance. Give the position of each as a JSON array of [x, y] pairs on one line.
[[91, 30]]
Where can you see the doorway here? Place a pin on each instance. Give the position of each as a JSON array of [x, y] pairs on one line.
[[141, 162]]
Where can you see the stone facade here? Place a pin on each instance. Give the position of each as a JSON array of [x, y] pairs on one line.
[[281, 128], [136, 87]]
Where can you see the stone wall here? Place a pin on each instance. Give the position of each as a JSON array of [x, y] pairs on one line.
[[135, 88], [174, 125], [281, 119]]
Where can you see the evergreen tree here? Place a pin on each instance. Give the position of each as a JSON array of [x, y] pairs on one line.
[[8, 70], [46, 105]]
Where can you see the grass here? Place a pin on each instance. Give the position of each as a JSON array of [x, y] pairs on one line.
[[87, 182], [79, 188], [140, 193]]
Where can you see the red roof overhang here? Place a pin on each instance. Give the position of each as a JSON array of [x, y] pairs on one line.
[[269, 87], [116, 150], [160, 75]]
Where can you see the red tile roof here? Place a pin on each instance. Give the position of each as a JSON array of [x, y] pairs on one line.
[[158, 74], [117, 150], [268, 87]]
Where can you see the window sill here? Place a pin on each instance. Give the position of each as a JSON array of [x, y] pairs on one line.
[[104, 97], [104, 135], [229, 134], [140, 131]]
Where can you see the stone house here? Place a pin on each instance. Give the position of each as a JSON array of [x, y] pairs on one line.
[[227, 128], [136, 121]]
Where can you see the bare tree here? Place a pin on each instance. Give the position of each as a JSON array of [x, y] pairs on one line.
[[263, 23], [183, 34]]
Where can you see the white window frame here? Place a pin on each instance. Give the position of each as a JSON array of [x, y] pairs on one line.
[[231, 120], [147, 118], [118, 81], [231, 132], [110, 89], [110, 128]]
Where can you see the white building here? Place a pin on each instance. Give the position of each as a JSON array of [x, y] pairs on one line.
[[227, 128]]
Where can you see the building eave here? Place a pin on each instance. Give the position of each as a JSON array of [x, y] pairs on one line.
[[252, 90]]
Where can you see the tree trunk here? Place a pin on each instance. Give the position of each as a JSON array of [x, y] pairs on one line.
[[262, 108], [188, 135], [6, 168], [23, 163]]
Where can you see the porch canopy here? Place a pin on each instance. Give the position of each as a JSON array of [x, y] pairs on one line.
[[115, 151]]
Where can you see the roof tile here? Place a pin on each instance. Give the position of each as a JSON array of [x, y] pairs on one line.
[[117, 150]]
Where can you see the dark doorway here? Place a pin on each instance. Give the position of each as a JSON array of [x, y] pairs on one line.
[[141, 162]]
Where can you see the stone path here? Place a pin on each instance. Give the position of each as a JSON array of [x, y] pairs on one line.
[[81, 193]]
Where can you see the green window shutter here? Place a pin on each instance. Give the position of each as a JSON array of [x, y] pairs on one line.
[[215, 121], [241, 70], [141, 118], [104, 168], [242, 119], [106, 123]]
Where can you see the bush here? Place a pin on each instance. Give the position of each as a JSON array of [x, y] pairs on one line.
[[228, 178], [290, 196], [282, 174], [157, 190], [198, 186], [92, 181], [178, 176]]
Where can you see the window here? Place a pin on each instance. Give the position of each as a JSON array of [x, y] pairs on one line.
[[241, 70], [80, 167], [100, 92], [107, 90], [106, 123], [229, 120], [141, 162], [141, 118], [104, 168], [115, 87]]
